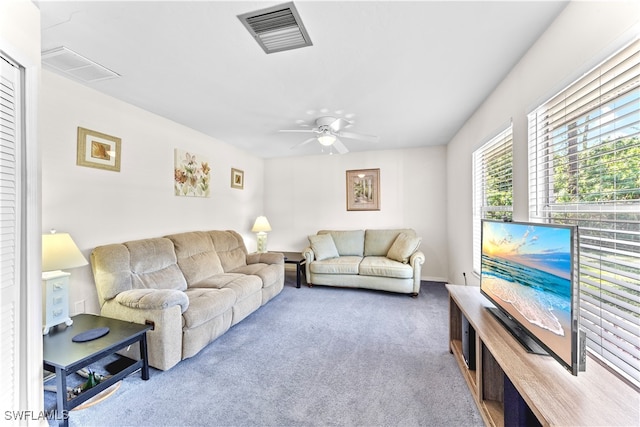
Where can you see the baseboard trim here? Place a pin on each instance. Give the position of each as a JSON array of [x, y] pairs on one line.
[[433, 279]]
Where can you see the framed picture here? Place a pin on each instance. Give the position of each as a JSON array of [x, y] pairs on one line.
[[98, 150], [237, 178], [363, 190], [191, 174]]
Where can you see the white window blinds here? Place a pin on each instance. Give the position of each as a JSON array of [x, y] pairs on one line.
[[9, 231], [584, 169], [492, 185]]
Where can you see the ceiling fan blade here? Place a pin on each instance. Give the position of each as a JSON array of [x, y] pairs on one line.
[[338, 124], [304, 142], [360, 136], [340, 147], [298, 130]]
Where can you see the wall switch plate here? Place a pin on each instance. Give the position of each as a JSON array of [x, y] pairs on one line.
[[79, 307]]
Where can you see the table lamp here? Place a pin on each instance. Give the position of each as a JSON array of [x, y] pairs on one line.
[[261, 227], [58, 252]]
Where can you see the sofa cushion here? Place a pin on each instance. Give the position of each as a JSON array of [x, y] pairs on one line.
[[378, 242], [340, 265], [245, 285], [230, 248], [384, 267], [205, 304], [242, 284], [154, 265], [217, 281], [111, 266], [323, 246], [403, 247], [348, 242], [220, 281], [196, 256], [267, 273]]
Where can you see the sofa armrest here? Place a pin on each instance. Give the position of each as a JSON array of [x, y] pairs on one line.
[[265, 258], [416, 258], [309, 256], [164, 341], [153, 299]]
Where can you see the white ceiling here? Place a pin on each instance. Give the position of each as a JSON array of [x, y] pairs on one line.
[[409, 72]]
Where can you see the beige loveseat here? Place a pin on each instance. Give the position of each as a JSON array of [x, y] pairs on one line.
[[191, 286], [387, 260]]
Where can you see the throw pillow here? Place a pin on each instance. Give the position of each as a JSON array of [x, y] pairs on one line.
[[323, 246], [403, 247]]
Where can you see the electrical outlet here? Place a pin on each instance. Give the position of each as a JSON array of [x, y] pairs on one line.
[[79, 308]]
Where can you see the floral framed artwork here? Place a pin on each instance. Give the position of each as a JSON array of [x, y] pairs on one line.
[[237, 178], [363, 190], [98, 150], [191, 174]]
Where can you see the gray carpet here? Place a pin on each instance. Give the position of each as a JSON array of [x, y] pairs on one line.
[[311, 357]]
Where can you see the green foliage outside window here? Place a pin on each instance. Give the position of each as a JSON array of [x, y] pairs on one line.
[[608, 172], [499, 186], [603, 174]]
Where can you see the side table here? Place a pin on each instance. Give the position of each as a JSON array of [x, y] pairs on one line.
[[297, 259], [64, 357]]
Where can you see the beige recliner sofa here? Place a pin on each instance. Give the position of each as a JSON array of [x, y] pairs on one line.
[[388, 260], [191, 286]]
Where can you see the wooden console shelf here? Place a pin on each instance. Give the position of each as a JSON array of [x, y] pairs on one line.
[[547, 392]]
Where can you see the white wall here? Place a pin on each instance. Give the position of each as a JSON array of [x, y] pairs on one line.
[[98, 207], [20, 40], [583, 35], [306, 194]]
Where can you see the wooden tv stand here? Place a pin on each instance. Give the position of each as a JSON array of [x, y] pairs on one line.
[[544, 388]]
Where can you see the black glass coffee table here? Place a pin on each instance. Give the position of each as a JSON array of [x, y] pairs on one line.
[[64, 357]]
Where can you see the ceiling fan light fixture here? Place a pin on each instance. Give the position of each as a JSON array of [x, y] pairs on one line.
[[328, 132], [326, 139]]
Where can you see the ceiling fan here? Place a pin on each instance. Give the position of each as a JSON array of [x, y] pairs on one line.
[[328, 130]]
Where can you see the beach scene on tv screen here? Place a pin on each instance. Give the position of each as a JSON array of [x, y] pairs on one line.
[[527, 270]]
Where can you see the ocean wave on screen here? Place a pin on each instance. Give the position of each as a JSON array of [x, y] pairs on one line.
[[525, 300]]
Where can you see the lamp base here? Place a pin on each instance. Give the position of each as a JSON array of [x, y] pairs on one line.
[[55, 300], [262, 242], [46, 328]]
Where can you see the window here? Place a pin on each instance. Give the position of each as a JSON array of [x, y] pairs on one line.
[[584, 169], [492, 185]]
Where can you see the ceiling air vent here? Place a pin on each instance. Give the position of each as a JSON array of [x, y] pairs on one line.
[[75, 65], [277, 28]]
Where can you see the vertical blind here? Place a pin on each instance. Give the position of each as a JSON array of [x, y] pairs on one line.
[[492, 185], [584, 169]]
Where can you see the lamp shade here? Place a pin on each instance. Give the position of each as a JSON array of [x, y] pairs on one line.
[[60, 252], [261, 224]]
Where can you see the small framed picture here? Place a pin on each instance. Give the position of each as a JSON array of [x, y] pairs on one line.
[[237, 178], [363, 190], [98, 150]]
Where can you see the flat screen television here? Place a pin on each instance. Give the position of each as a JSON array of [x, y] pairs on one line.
[[529, 271]]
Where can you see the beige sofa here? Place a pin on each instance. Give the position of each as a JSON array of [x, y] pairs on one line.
[[191, 286], [388, 260]]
